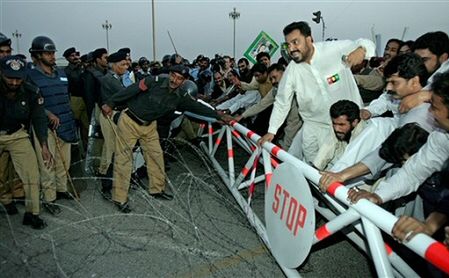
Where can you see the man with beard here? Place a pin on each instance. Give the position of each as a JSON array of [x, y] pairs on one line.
[[20, 105], [53, 86], [318, 78], [347, 125], [245, 72], [406, 75], [354, 138]]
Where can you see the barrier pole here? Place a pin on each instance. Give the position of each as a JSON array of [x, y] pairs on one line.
[[252, 218], [211, 132], [378, 251], [423, 245], [218, 140], [231, 169]]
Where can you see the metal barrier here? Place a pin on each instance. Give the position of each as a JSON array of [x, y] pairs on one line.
[[365, 217]]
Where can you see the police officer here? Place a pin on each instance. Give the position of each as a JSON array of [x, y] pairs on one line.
[[77, 98], [111, 84], [92, 83], [144, 70], [53, 86], [8, 175], [20, 104], [148, 100]]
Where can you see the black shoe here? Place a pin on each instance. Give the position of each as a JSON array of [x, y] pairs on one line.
[[106, 193], [162, 196], [34, 221], [64, 195], [52, 208], [11, 209], [122, 207]]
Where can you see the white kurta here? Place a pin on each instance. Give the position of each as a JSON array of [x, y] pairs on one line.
[[240, 101], [429, 159], [419, 115], [373, 135], [316, 87]]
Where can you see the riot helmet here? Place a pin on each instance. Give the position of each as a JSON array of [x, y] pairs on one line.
[[42, 44]]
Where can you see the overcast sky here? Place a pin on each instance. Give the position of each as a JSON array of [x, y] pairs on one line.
[[205, 27]]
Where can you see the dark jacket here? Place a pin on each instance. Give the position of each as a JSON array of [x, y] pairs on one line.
[[110, 85], [92, 87], [73, 74], [26, 107], [152, 98]]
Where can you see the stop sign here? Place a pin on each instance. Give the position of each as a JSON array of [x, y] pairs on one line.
[[289, 216]]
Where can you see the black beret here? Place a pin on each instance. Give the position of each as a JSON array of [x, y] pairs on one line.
[[125, 49], [181, 69], [69, 52], [117, 57], [13, 67], [98, 53]]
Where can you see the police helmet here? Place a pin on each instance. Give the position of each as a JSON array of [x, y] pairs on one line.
[[4, 40], [41, 44], [190, 88]]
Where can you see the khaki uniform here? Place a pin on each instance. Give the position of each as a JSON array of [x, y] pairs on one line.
[[128, 133], [19, 146], [107, 153], [55, 179], [147, 100], [11, 187], [79, 110]]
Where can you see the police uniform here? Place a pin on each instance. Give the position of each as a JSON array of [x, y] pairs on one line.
[[147, 101], [92, 85], [54, 90], [111, 84], [16, 113], [76, 91]]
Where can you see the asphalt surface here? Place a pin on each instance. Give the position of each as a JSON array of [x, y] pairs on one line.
[[201, 233]]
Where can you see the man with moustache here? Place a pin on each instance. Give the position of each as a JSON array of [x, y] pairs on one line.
[[318, 78], [20, 106], [148, 100]]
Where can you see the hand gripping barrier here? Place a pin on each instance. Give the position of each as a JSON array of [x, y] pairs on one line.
[[365, 217]]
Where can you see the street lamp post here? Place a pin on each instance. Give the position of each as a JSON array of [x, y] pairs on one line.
[[234, 15], [17, 35], [154, 30], [107, 26]]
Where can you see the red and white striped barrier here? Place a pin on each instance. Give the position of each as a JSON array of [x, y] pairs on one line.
[[372, 216]]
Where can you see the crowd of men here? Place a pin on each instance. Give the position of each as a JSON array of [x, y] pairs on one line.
[[378, 124]]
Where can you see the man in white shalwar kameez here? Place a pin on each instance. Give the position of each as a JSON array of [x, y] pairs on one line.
[[318, 76]]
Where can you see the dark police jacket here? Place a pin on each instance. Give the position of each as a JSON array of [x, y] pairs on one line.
[[110, 85], [92, 87], [57, 101], [73, 73], [151, 98], [27, 106]]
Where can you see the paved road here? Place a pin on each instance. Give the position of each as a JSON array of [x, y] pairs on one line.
[[201, 233]]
